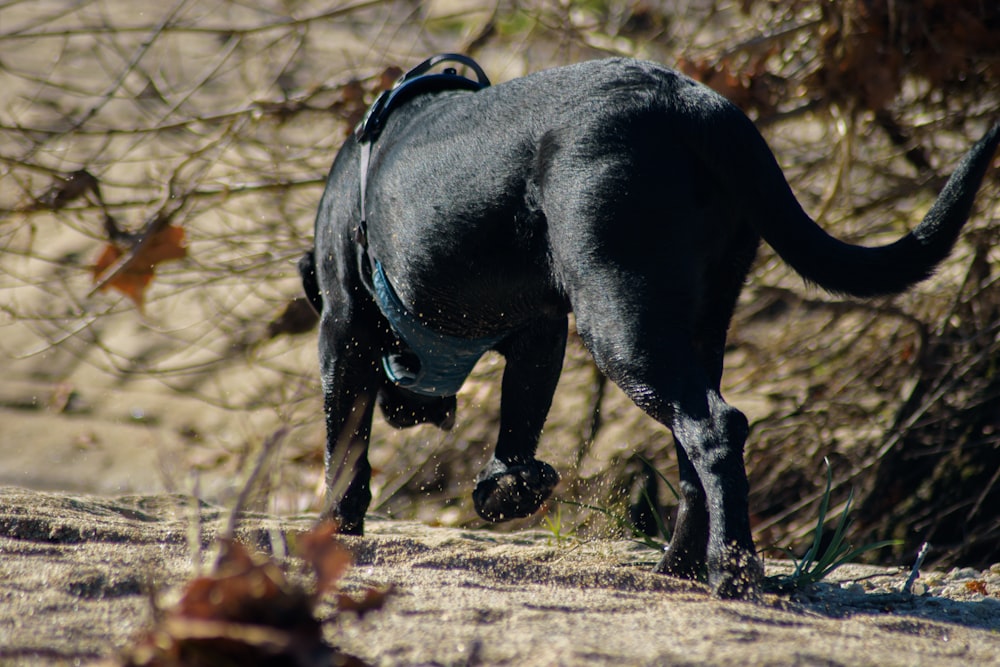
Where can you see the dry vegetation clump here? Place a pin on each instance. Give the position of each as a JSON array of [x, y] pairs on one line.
[[870, 49], [248, 611], [173, 157]]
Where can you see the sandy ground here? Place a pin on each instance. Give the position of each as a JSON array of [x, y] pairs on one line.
[[76, 573]]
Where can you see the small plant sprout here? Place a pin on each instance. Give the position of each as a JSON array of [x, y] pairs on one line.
[[554, 524], [621, 520]]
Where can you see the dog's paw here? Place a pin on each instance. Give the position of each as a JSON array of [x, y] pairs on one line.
[[509, 492], [737, 576], [349, 520], [682, 562], [345, 526], [357, 528], [348, 513]]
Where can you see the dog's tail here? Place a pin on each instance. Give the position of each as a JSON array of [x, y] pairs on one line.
[[841, 267]]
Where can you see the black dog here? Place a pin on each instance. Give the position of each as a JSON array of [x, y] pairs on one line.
[[466, 217]]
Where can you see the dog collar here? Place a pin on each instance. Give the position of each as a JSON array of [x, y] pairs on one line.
[[414, 82], [406, 87], [431, 363]]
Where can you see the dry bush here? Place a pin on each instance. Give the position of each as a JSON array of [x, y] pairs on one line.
[[221, 118]]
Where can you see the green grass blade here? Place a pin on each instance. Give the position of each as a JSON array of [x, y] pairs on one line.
[[673, 490]]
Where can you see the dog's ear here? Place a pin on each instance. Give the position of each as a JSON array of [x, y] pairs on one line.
[[307, 269]]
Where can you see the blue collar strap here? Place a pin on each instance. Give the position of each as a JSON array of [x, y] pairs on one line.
[[432, 363], [429, 363]]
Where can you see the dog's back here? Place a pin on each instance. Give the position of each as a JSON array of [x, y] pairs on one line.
[[466, 188]]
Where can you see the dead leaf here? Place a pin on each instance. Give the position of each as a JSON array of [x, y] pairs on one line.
[[132, 279], [329, 559], [388, 77], [976, 586], [259, 595], [247, 612], [747, 84]]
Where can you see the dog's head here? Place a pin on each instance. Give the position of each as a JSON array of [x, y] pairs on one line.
[[402, 408]]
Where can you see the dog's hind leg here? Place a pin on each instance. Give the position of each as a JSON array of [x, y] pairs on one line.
[[686, 554], [641, 329], [514, 483], [671, 387], [651, 258], [713, 434]]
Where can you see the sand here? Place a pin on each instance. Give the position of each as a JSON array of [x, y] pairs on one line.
[[78, 573]]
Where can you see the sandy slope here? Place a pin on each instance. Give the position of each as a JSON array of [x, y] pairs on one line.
[[74, 571]]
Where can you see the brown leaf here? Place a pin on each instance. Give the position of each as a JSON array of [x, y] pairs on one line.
[[745, 84], [352, 92], [328, 557], [240, 590], [134, 277], [388, 77], [248, 613], [976, 586]]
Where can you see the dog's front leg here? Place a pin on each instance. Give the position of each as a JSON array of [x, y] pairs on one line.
[[514, 483], [350, 379], [686, 555]]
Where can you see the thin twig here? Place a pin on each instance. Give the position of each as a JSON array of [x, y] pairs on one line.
[[267, 449], [915, 570]]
